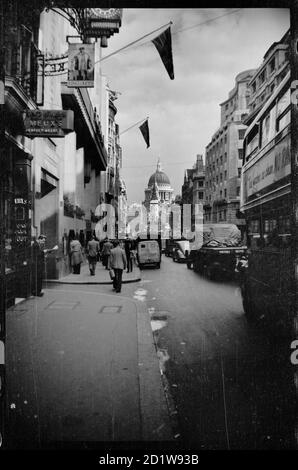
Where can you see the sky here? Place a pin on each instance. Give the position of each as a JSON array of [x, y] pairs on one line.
[[183, 113]]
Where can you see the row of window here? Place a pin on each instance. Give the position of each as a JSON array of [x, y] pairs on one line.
[[212, 153], [221, 176], [223, 194], [282, 224], [264, 74], [275, 120], [219, 216]]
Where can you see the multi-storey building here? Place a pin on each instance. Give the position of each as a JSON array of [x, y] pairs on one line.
[[268, 76], [53, 185], [193, 188], [224, 156]]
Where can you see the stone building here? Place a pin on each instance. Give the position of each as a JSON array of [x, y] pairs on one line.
[[268, 76], [193, 188], [52, 184], [224, 156], [159, 188]]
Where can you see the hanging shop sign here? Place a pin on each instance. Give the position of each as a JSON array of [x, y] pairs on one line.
[[102, 22], [48, 123], [55, 65], [81, 65]]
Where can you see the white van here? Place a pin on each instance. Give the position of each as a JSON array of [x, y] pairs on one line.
[[148, 253]]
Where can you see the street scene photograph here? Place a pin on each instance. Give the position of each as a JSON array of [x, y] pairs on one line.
[[148, 225]]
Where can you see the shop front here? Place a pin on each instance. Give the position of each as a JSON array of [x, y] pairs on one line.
[[17, 222]]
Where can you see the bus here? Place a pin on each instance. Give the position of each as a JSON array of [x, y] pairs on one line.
[[265, 200]]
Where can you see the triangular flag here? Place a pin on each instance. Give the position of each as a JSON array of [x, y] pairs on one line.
[[163, 44], [144, 128]]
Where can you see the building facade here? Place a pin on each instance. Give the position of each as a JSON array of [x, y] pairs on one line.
[[268, 76], [193, 188], [52, 184], [224, 157]]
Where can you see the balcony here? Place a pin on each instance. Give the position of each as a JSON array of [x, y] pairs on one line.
[[86, 125]]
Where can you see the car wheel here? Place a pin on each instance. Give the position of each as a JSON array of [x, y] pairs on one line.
[[158, 265]]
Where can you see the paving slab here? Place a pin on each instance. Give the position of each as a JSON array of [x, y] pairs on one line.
[[101, 276]]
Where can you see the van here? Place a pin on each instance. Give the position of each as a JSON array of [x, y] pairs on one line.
[[148, 253]]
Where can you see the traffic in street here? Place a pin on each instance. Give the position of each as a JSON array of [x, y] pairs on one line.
[[229, 383]]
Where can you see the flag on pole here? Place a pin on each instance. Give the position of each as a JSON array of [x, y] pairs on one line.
[[163, 44], [144, 128]]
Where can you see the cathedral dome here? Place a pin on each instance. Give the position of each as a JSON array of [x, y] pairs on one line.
[[159, 177]]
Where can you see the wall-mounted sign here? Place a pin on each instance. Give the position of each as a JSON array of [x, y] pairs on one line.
[[48, 123], [81, 65]]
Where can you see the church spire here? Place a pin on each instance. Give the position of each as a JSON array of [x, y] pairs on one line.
[[158, 165]]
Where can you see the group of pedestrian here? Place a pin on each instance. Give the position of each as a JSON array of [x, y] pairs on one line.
[[115, 257]]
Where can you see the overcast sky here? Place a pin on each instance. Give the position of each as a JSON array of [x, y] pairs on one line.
[[184, 112]]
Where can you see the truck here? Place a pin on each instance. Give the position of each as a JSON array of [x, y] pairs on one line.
[[222, 247]]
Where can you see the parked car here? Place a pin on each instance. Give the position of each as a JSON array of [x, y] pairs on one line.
[[148, 253], [170, 245], [180, 251]]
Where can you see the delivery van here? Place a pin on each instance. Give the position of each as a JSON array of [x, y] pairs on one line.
[[148, 253]]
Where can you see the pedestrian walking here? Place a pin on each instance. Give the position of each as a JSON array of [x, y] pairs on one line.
[[117, 262], [129, 255], [106, 250], [92, 251], [76, 256]]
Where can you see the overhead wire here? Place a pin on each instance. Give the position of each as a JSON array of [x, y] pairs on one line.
[[172, 32]]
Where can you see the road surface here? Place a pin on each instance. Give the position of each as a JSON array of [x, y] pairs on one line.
[[230, 386]]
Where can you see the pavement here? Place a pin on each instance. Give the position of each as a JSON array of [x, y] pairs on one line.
[[102, 276], [82, 368]]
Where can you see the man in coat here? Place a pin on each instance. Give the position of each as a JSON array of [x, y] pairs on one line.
[[76, 256], [38, 267], [117, 262], [106, 250], [92, 250]]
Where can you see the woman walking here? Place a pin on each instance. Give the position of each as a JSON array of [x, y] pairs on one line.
[[76, 257]]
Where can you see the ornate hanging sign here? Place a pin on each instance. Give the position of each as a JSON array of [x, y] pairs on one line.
[[102, 22]]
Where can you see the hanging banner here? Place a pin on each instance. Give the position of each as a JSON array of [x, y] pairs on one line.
[[81, 65], [48, 123], [144, 128], [163, 44]]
